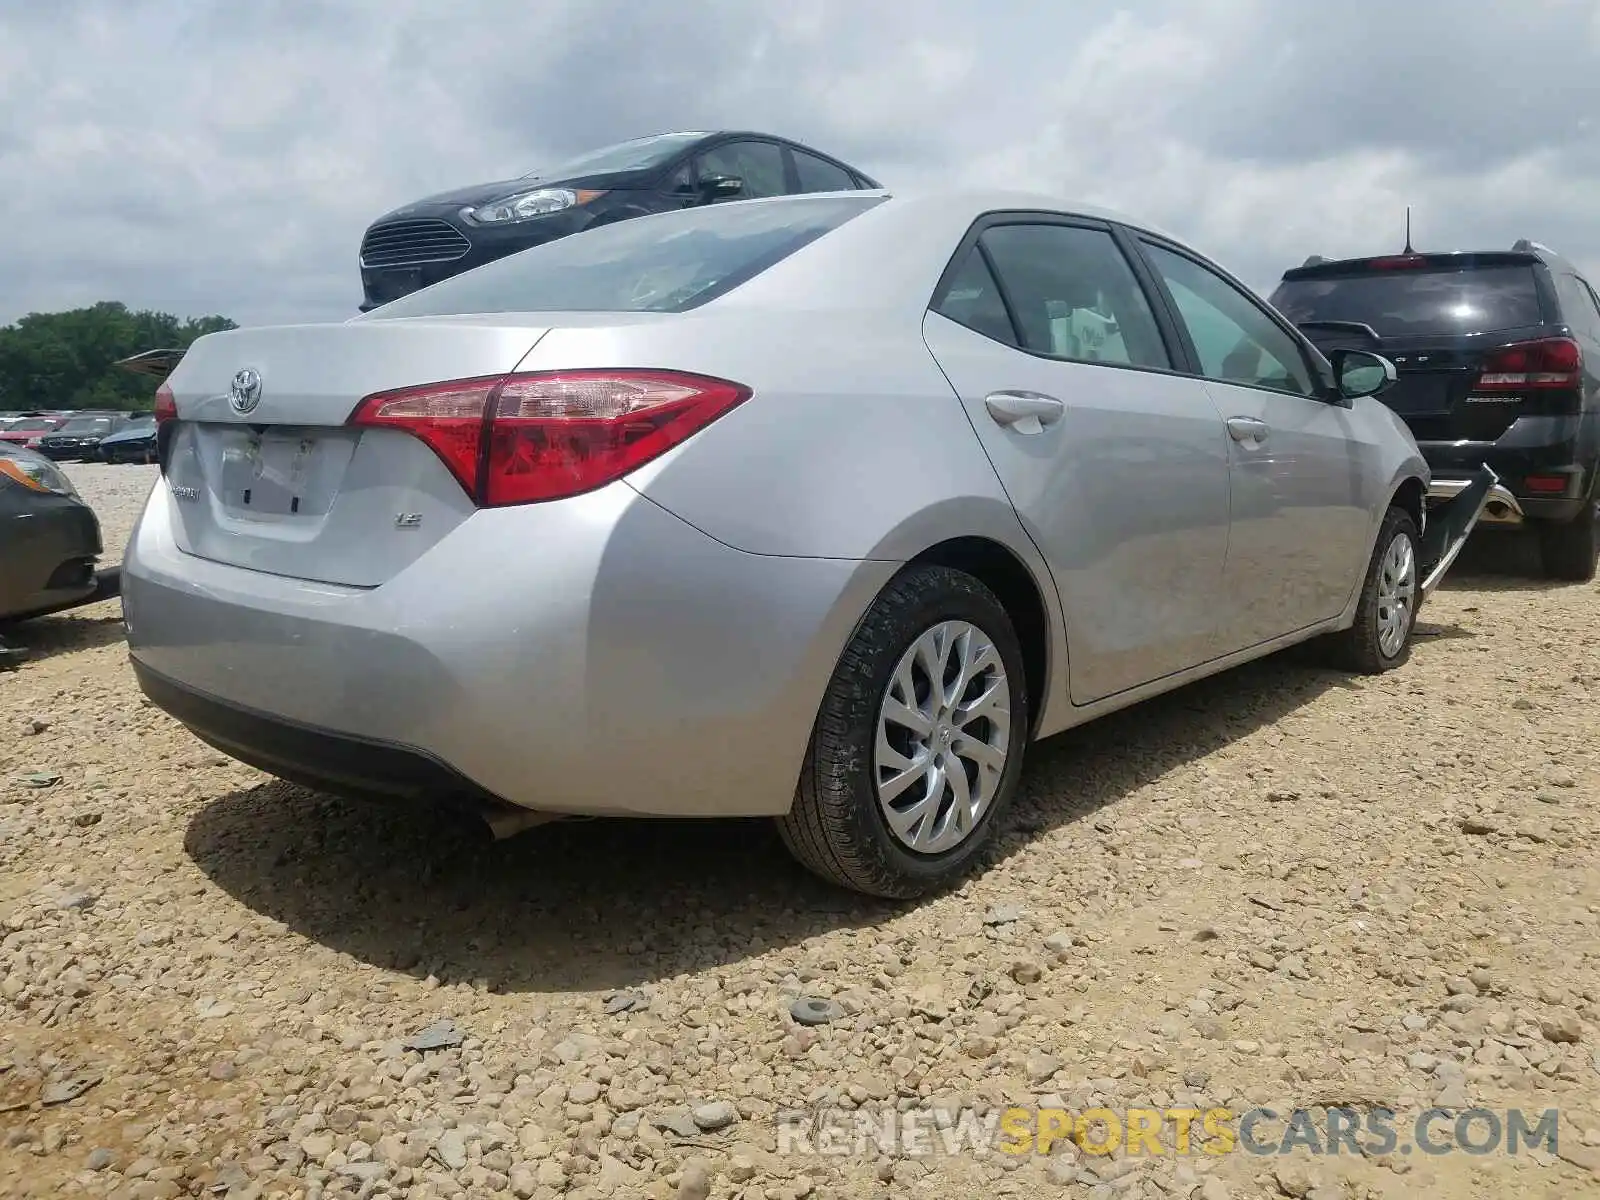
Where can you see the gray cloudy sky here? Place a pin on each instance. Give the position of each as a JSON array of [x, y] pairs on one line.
[[206, 156]]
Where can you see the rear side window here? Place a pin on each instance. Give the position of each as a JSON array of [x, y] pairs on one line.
[[671, 262], [1409, 301], [819, 175], [971, 297], [1577, 306], [1074, 295]]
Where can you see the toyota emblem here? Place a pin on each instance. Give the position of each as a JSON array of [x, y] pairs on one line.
[[245, 392]]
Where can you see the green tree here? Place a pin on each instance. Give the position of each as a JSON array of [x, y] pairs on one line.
[[66, 359]]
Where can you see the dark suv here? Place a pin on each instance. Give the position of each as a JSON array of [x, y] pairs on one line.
[[1498, 354], [453, 232]]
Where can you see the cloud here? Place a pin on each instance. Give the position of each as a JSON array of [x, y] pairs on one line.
[[225, 158]]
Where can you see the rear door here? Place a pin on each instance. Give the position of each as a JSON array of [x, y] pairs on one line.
[[1304, 486], [1436, 317], [1115, 462]]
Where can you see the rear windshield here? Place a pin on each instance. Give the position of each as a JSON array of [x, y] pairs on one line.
[[667, 263], [1398, 303]]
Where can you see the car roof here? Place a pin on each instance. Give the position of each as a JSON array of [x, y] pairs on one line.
[[979, 201], [893, 254]]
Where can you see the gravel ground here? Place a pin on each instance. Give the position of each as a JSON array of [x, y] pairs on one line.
[[1282, 887]]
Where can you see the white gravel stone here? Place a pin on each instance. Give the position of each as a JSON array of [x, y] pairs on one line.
[[254, 957]]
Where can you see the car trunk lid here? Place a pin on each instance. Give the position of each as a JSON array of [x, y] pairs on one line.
[[266, 472]]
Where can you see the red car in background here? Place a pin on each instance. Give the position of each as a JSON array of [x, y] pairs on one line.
[[29, 430]]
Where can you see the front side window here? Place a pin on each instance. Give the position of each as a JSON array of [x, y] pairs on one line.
[[1234, 338], [681, 181], [668, 262], [1073, 295], [758, 164]]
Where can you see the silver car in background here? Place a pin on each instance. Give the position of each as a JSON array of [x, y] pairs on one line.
[[816, 508]]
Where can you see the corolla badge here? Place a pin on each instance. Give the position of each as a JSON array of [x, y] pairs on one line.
[[245, 391]]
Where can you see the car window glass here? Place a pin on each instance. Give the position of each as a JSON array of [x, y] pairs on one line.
[[87, 425], [971, 297], [681, 181], [1074, 295], [1415, 301], [636, 155], [819, 175], [1236, 341], [759, 164], [1577, 305], [1594, 302]]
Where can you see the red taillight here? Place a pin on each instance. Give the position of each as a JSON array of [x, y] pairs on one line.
[[544, 436], [166, 405], [1547, 363], [1547, 484], [1397, 262]]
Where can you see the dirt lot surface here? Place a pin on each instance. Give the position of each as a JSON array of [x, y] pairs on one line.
[[1280, 888]]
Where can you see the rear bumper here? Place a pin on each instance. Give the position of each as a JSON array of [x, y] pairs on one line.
[[1567, 447], [317, 758], [594, 656]]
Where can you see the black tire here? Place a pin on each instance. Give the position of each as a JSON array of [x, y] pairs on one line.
[[1357, 648], [836, 828], [1568, 549]]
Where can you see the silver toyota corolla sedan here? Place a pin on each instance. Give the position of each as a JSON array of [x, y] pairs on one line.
[[817, 508]]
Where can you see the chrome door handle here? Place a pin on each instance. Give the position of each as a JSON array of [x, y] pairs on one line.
[[1025, 412], [1247, 429]]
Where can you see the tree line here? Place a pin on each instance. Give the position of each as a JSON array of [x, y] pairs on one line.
[[67, 359]]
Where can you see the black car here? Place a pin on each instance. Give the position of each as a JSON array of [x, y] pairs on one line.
[[80, 435], [135, 442], [1498, 354], [49, 542], [446, 234]]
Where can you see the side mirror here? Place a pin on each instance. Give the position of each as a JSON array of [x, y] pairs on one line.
[[1362, 373], [720, 187]]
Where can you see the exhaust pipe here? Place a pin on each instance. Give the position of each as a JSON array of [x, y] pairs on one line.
[[507, 820]]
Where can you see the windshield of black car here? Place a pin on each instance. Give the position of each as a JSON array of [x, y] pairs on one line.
[[85, 425], [1408, 301], [666, 263], [636, 155]]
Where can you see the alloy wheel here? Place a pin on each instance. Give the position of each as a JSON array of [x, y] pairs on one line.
[[944, 726], [1397, 594]]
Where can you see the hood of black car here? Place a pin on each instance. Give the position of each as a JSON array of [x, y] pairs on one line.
[[483, 193]]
